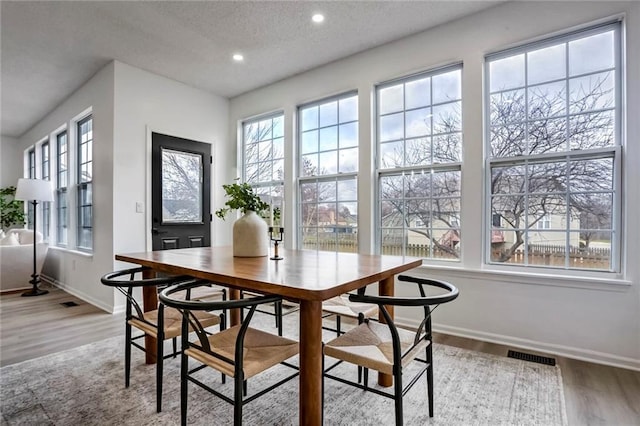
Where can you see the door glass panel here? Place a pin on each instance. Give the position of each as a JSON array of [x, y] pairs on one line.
[[181, 187]]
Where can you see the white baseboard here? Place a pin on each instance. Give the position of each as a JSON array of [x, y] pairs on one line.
[[549, 348], [562, 350], [80, 295]]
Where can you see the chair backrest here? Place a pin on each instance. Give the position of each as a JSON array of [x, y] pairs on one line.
[[125, 286], [424, 331], [189, 319]]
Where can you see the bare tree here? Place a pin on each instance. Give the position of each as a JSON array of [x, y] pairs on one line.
[[523, 194], [427, 204]]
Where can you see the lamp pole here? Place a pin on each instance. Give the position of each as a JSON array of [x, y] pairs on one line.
[[35, 278]]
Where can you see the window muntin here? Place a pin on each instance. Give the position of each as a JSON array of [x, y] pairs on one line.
[[45, 173], [553, 138], [263, 159], [62, 183], [84, 238], [327, 169], [419, 123]]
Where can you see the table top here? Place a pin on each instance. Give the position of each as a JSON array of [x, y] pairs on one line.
[[300, 275]]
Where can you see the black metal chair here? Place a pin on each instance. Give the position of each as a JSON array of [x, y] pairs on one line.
[[239, 351], [388, 348], [341, 306], [162, 324]]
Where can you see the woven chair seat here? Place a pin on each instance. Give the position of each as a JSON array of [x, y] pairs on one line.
[[369, 345], [172, 322], [341, 305], [262, 350]]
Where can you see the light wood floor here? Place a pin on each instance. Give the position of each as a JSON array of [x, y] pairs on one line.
[[36, 326]]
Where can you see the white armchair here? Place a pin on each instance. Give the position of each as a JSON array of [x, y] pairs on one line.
[[16, 260]]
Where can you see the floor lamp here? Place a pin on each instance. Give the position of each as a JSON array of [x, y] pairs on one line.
[[34, 190]]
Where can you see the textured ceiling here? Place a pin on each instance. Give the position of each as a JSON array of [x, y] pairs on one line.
[[50, 48]]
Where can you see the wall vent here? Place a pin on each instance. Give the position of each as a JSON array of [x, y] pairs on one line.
[[531, 358]]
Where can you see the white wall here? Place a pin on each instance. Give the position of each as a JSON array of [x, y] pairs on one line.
[[584, 317], [146, 102], [79, 273], [127, 104], [10, 169]]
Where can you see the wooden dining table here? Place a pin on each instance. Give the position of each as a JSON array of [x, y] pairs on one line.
[[303, 276]]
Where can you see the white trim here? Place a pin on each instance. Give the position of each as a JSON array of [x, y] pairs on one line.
[[81, 295], [515, 342], [526, 278]]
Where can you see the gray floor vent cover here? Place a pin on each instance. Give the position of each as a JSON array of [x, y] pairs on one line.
[[69, 304], [532, 358]]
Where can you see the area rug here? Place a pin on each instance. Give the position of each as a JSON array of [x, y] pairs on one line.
[[85, 386]]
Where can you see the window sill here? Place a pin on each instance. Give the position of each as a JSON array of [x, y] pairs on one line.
[[612, 283], [79, 253]]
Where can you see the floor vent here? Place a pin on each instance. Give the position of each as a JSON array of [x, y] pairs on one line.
[[69, 304], [532, 358]]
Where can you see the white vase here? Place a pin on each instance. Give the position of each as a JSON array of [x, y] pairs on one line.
[[250, 236]]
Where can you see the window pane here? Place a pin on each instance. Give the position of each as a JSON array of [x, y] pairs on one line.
[[508, 107], [596, 130], [593, 92], [418, 122], [594, 53], [328, 138], [391, 127], [348, 161], [391, 155], [348, 109], [447, 118], [447, 148], [348, 135], [507, 73], [310, 142], [390, 99], [418, 93], [181, 186], [329, 114], [547, 100], [418, 152], [447, 87], [546, 64], [309, 118]]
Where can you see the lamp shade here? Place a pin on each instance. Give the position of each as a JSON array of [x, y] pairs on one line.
[[34, 189]]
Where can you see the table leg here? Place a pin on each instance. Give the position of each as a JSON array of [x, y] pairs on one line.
[[310, 363], [385, 288], [149, 303], [234, 314]]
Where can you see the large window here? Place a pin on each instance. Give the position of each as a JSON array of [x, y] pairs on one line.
[[62, 183], [263, 161], [327, 173], [419, 139], [84, 184], [553, 152], [46, 206]]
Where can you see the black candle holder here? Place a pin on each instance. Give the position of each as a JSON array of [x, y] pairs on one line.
[[276, 234]]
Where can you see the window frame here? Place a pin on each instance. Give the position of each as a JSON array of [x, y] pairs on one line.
[[45, 173], [432, 167], [84, 186], [62, 212], [614, 151], [260, 186], [336, 177]]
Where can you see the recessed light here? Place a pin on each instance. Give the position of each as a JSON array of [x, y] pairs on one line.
[[318, 17], [238, 57]]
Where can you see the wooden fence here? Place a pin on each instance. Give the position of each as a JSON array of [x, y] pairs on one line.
[[555, 255], [538, 254]]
